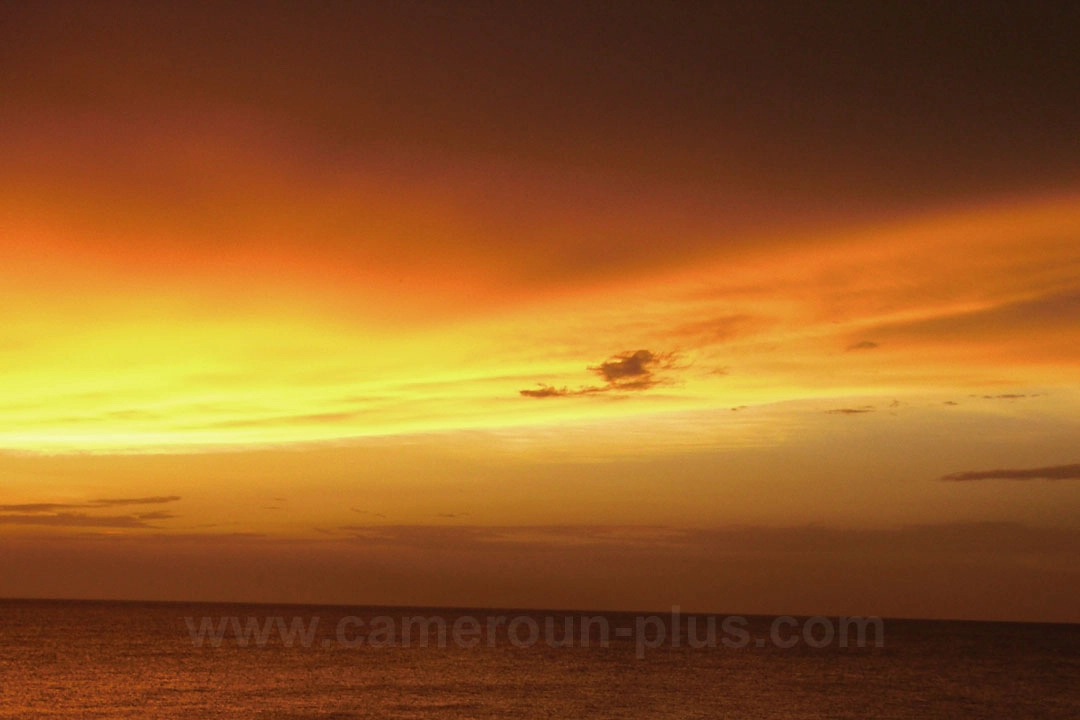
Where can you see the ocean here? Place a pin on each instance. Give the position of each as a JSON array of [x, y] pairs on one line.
[[76, 659]]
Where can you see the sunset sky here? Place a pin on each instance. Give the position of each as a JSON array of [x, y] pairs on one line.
[[747, 307]]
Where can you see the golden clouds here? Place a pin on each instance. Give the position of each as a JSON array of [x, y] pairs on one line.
[[118, 352]]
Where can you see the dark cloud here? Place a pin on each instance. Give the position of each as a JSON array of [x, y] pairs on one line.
[[155, 515], [628, 371], [1010, 396], [863, 345], [62, 515], [546, 391], [68, 519], [359, 511], [851, 411], [102, 503], [38, 507], [1053, 472], [630, 367], [117, 502]]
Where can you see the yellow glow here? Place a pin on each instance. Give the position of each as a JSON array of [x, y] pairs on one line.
[[101, 357]]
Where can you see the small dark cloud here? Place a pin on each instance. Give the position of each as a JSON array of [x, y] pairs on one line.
[[453, 515], [102, 503], [359, 511], [1053, 472], [155, 515], [546, 391], [950, 402], [63, 515], [37, 507], [117, 502], [863, 345], [626, 372], [1010, 396], [69, 519], [851, 411], [631, 370]]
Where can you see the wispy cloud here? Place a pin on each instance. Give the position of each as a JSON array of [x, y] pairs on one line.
[[536, 537], [155, 515], [65, 515], [546, 391], [1053, 472], [960, 538], [360, 511], [89, 505], [863, 345], [851, 411], [716, 329], [1052, 319], [118, 502], [70, 519]]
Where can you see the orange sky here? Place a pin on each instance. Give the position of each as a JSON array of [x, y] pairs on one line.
[[325, 307]]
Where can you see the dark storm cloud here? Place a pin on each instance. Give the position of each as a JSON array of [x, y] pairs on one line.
[[1053, 472]]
